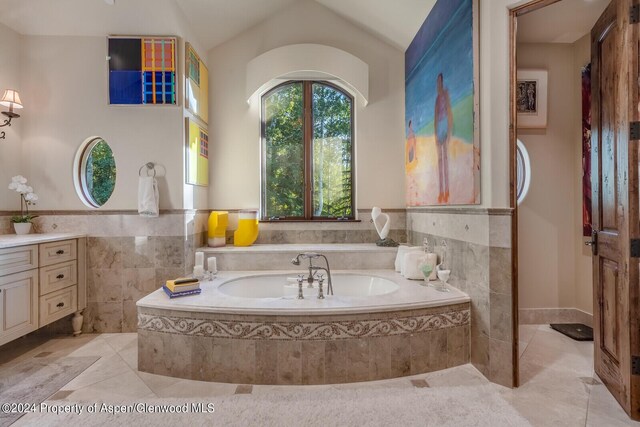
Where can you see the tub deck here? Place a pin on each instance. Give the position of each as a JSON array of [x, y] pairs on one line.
[[412, 294]]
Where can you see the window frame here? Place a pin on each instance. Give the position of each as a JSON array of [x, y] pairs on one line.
[[307, 126], [80, 167]]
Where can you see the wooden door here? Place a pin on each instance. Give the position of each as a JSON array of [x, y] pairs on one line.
[[614, 55]]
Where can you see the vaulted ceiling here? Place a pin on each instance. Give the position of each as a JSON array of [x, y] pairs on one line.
[[213, 21]]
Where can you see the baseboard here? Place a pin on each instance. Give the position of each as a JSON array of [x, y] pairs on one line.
[[541, 316]]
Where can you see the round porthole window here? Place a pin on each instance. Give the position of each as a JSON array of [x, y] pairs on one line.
[[523, 168], [94, 172]]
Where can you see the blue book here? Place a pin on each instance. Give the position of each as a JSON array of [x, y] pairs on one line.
[[180, 294]]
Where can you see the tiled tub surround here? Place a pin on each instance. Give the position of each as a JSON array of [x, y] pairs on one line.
[[341, 256], [128, 256], [215, 337], [478, 251]]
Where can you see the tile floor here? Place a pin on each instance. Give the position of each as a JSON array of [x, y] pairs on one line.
[[559, 387]]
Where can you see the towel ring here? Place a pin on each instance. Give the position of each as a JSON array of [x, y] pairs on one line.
[[150, 166]]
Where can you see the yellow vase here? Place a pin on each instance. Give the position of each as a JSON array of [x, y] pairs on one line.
[[247, 231], [217, 233]]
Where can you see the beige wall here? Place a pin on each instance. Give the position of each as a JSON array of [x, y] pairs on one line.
[[64, 85], [583, 270], [11, 146], [235, 125], [554, 271]]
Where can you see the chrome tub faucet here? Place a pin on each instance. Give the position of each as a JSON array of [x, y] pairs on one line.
[[314, 268]]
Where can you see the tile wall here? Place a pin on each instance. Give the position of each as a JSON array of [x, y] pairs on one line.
[[128, 256], [361, 231], [476, 244]]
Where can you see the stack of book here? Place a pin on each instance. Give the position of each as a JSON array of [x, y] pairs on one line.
[[182, 287]]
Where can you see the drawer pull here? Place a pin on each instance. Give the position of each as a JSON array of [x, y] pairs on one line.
[[60, 276], [60, 304], [60, 252]]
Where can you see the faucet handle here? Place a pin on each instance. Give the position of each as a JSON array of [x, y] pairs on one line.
[[301, 278], [320, 283]]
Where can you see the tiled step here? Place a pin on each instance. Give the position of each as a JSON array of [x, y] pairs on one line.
[[365, 256]]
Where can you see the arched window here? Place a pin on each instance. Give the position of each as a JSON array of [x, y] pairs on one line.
[[307, 152]]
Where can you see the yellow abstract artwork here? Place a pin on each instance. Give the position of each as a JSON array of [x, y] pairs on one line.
[[197, 153]]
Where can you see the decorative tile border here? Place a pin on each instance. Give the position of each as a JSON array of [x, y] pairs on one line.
[[302, 330]]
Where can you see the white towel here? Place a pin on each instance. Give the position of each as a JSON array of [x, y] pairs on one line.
[[148, 197], [412, 261]]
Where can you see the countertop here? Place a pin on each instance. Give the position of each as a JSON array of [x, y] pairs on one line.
[[412, 294], [13, 240]]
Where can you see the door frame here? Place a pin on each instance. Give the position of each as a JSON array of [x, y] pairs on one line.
[[632, 114], [514, 13]]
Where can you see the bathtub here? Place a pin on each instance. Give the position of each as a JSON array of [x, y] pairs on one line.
[[249, 327], [286, 286]]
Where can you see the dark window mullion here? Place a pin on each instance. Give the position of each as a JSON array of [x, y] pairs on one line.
[[308, 150]]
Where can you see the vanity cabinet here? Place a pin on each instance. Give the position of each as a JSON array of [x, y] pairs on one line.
[[41, 283], [18, 305]]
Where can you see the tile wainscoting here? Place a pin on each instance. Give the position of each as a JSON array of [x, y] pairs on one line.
[[476, 244], [313, 349], [128, 256]]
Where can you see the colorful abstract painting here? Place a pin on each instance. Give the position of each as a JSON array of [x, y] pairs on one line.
[[586, 151], [197, 153], [197, 85], [142, 70], [442, 150]]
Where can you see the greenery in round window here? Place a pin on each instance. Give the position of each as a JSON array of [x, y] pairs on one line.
[[97, 172]]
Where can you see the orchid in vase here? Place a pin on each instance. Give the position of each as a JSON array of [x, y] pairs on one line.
[[27, 198]]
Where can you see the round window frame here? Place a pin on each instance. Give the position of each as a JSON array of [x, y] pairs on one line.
[[80, 168], [526, 160]]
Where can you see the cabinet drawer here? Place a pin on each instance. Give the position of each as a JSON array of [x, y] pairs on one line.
[[58, 304], [58, 276], [15, 260], [55, 252]]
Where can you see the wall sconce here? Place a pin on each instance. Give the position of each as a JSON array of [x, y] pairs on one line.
[[10, 99]]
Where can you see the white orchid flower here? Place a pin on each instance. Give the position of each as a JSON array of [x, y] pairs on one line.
[[19, 179], [28, 189], [31, 197], [13, 185]]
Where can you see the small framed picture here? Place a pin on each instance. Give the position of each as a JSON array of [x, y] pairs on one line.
[[531, 99]]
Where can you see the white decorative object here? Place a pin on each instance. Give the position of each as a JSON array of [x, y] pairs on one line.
[[198, 272], [22, 227], [200, 259], [412, 262], [22, 222], [381, 221], [443, 275], [212, 264], [76, 323], [432, 260], [404, 255], [402, 250]]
